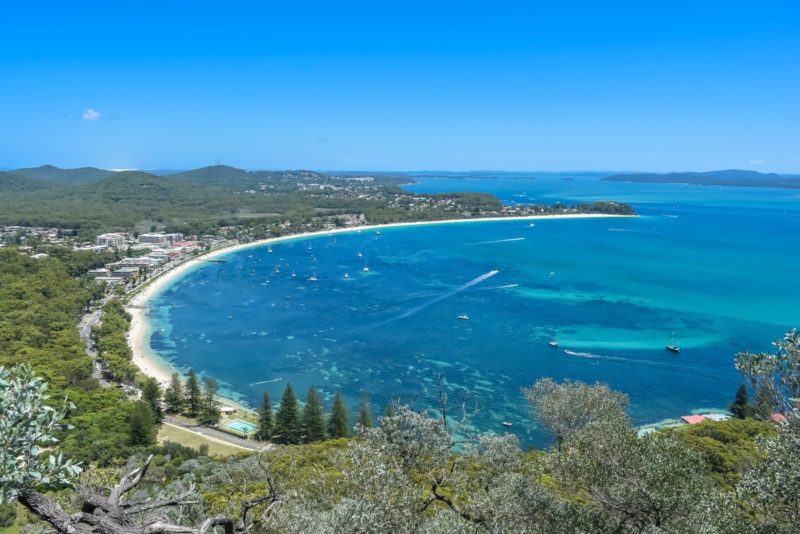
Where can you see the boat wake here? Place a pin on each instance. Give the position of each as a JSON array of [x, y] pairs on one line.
[[266, 381], [440, 298], [492, 242]]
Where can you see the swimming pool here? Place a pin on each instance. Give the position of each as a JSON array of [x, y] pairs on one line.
[[241, 426]]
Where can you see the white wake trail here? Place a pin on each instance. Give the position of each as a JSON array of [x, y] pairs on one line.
[[471, 283]]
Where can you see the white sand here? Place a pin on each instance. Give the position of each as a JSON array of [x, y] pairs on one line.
[[139, 341]]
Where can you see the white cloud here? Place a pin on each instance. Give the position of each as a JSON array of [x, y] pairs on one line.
[[756, 161], [91, 115]]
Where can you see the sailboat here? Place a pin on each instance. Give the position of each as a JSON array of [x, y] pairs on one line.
[[673, 344], [313, 278], [366, 269]]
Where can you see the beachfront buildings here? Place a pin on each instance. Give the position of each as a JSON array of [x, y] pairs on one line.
[[115, 240], [160, 238]]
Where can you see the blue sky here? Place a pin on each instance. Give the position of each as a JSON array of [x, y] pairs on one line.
[[651, 86]]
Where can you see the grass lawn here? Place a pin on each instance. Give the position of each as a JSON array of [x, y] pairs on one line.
[[190, 439]]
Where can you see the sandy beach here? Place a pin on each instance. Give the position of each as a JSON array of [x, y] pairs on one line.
[[138, 337]]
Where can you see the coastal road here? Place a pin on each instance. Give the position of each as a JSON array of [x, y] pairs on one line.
[[85, 330]]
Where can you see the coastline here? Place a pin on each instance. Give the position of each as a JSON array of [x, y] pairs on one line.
[[138, 336]]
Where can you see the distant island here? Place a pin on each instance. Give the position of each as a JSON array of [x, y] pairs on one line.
[[732, 177]]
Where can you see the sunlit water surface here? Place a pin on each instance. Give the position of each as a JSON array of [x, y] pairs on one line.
[[715, 266]]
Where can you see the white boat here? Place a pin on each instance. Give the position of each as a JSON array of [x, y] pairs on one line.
[[553, 343], [366, 269], [506, 423], [293, 275], [346, 275], [359, 255], [464, 317], [313, 278], [672, 346]]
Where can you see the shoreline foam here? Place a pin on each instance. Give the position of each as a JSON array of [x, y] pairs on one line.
[[138, 335]]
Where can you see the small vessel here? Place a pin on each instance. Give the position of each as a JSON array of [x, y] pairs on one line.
[[309, 246], [346, 275], [464, 317], [269, 249], [293, 275], [252, 271], [506, 423], [673, 345], [313, 278], [277, 270], [359, 255], [230, 317], [366, 269], [378, 233], [288, 297], [553, 343]]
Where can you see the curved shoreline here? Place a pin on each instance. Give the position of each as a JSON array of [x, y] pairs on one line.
[[138, 336]]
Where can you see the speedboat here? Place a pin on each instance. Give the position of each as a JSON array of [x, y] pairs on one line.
[[464, 317], [553, 343]]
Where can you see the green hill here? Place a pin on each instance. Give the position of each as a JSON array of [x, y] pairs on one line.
[[12, 181], [50, 173]]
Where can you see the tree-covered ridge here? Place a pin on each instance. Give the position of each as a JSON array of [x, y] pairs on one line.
[[200, 201]]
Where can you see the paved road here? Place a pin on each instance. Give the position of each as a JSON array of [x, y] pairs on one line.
[[85, 328]]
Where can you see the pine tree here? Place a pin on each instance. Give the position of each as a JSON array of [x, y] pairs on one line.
[[288, 426], [339, 422], [740, 408], [141, 427], [209, 408], [389, 410], [765, 402], [174, 395], [365, 412], [313, 417], [151, 394], [193, 393], [264, 432]]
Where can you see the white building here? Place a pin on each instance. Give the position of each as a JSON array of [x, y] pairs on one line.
[[111, 240], [160, 238]]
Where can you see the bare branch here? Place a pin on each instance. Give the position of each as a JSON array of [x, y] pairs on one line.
[[127, 483]]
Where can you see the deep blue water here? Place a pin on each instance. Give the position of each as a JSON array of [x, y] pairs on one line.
[[716, 266]]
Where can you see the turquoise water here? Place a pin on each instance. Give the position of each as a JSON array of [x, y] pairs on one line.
[[716, 266], [241, 426]]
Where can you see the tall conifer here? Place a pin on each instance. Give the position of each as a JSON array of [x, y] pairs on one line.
[[151, 394], [288, 425], [209, 407], [174, 396], [339, 422], [193, 393], [365, 412], [264, 432], [313, 417]]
